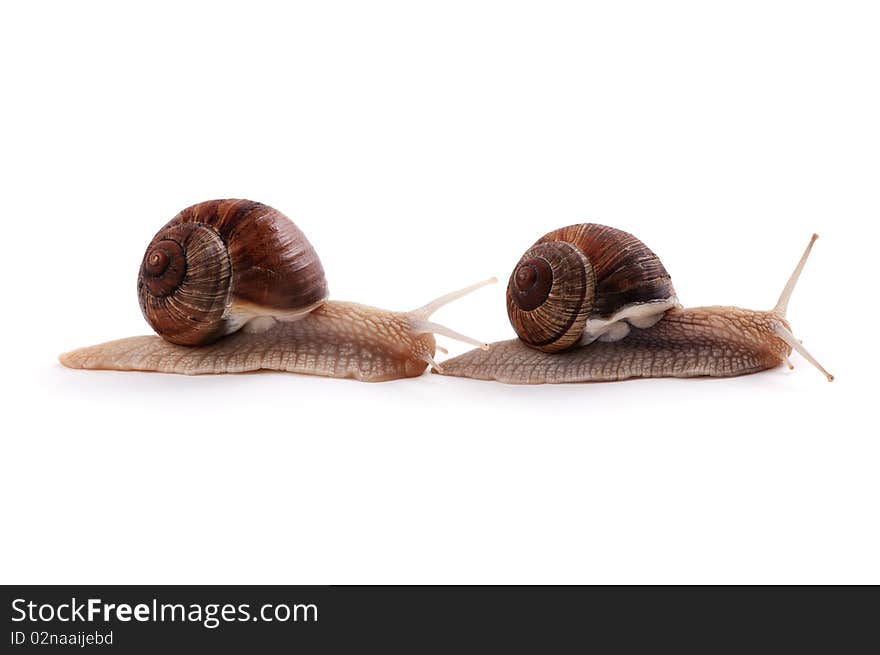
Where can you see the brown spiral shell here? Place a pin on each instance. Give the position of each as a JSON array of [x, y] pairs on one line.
[[220, 263], [578, 273], [550, 295]]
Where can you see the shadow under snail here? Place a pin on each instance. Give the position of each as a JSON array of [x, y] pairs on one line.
[[593, 303], [234, 286]]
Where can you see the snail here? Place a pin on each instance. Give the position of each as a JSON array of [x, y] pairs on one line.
[[593, 303], [233, 286]]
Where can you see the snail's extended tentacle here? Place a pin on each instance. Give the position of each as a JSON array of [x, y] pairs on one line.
[[782, 304], [420, 326], [781, 308], [434, 365], [418, 318], [789, 338], [425, 311]]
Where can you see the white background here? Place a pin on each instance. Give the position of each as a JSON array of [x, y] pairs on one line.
[[424, 146]]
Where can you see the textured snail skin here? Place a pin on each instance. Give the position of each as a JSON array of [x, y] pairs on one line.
[[338, 339], [694, 342]]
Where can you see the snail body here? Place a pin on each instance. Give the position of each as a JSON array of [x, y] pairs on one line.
[[673, 342], [233, 285], [336, 339]]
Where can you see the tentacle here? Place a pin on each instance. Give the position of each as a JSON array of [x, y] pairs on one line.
[[789, 338], [420, 326], [425, 311], [785, 296], [433, 364], [419, 323]]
